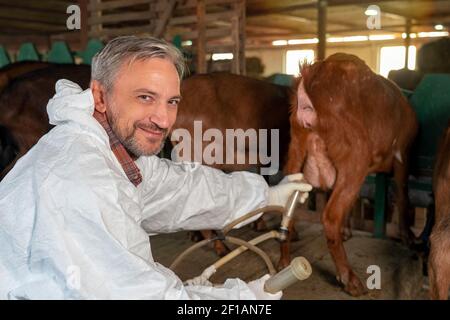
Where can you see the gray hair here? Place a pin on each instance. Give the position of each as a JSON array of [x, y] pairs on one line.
[[106, 63]]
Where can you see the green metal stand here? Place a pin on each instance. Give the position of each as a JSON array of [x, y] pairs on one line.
[[60, 53], [28, 52], [4, 57], [381, 185], [93, 46], [176, 41]]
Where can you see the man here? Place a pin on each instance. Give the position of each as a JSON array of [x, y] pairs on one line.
[[76, 210]]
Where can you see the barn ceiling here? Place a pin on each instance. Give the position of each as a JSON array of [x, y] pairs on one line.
[[266, 19], [345, 16]]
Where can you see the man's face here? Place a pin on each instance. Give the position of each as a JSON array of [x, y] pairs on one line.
[[142, 105]]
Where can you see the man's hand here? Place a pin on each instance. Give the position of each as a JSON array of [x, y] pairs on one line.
[[257, 287], [279, 194]]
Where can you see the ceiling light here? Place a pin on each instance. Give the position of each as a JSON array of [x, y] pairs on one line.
[[279, 42], [371, 12], [303, 41]]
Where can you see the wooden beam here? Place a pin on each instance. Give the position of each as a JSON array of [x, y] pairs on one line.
[[42, 5], [209, 17], [293, 18], [209, 34], [95, 6], [289, 8], [235, 39], [12, 42], [241, 7], [84, 31], [192, 4], [322, 29], [407, 41], [238, 37], [265, 29], [165, 17], [11, 13], [95, 13], [201, 38], [252, 28], [31, 26], [110, 32], [313, 4], [121, 17], [217, 48], [302, 21]]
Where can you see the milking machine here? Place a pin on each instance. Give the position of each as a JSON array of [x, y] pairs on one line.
[[299, 269]]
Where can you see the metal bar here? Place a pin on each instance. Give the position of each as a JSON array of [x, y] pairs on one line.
[[407, 41], [201, 39], [322, 29]]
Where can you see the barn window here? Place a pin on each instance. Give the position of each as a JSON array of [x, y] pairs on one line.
[[294, 57], [393, 58]]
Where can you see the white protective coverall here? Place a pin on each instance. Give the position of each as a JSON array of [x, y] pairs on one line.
[[72, 226]]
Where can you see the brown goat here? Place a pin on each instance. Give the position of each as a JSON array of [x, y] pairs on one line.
[[23, 104], [439, 259], [226, 101], [349, 122], [14, 70]]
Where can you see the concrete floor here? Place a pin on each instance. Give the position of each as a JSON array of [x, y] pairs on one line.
[[401, 269]]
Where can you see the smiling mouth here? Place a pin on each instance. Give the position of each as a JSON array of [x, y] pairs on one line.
[[152, 133]]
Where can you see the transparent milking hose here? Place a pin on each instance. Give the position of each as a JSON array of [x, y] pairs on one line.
[[299, 269]]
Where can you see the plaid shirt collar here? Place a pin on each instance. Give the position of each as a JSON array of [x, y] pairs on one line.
[[126, 161]]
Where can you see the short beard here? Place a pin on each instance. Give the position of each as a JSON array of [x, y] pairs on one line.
[[129, 142], [133, 149]]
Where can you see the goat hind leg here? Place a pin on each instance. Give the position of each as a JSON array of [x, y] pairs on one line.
[[342, 198]]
